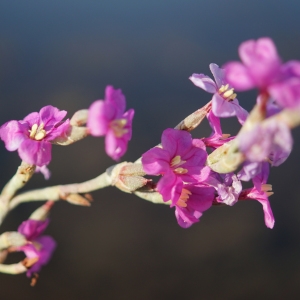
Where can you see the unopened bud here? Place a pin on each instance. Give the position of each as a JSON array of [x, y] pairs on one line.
[[128, 177], [78, 199]]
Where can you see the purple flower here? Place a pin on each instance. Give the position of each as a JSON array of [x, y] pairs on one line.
[[39, 248], [228, 187], [260, 192], [193, 200], [32, 136], [262, 68], [224, 102], [108, 117], [180, 159], [270, 139]]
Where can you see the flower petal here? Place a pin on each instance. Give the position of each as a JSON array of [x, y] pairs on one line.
[[35, 152], [204, 82]]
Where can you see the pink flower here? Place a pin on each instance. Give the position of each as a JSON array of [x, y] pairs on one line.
[[262, 68], [108, 117], [40, 248], [260, 192], [270, 139], [180, 159], [193, 200], [228, 187], [32, 136], [224, 102]]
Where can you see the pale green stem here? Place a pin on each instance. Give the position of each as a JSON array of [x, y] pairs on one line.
[[57, 192], [19, 180], [11, 238], [13, 268]]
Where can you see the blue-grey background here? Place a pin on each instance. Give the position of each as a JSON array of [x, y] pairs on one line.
[[64, 53]]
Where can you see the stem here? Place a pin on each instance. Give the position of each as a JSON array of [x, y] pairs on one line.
[[57, 192], [13, 268], [19, 180]]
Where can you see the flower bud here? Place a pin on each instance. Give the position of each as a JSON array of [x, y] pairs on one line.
[[128, 177]]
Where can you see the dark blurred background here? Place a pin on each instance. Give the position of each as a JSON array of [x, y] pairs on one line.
[[64, 53]]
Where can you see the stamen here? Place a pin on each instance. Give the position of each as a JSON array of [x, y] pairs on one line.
[[185, 194], [33, 130], [181, 203], [37, 132], [225, 136], [40, 135], [176, 160], [118, 127], [180, 171], [228, 93]]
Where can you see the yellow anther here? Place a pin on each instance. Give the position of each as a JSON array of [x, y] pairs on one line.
[[225, 135], [181, 203], [185, 194], [118, 127], [180, 171], [37, 132], [176, 161], [33, 130], [222, 89], [228, 93], [233, 96], [40, 135]]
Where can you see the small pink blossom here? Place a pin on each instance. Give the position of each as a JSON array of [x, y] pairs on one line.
[[270, 139], [39, 248], [180, 159], [108, 117], [262, 68], [32, 136], [224, 101]]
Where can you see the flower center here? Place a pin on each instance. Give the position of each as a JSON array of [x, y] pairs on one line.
[[37, 132], [184, 197], [226, 93], [117, 127], [176, 162]]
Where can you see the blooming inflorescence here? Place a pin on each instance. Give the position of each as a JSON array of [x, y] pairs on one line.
[[194, 174]]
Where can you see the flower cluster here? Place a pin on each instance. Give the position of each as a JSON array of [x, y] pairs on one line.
[[263, 141], [194, 173]]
